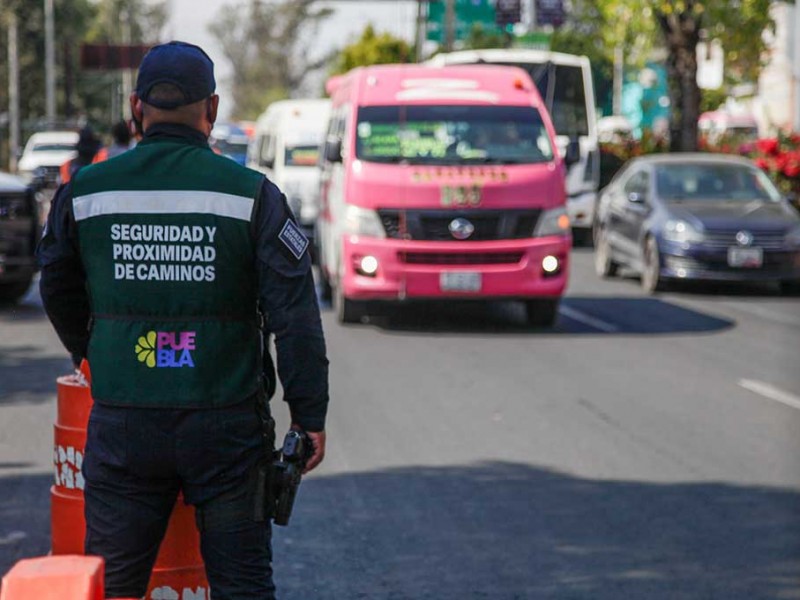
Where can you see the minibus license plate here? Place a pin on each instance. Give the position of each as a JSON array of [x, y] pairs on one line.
[[460, 282], [751, 258]]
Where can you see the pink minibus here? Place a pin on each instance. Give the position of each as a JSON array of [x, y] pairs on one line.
[[441, 183]]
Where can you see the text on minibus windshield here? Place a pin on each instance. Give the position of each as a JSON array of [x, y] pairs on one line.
[[452, 135]]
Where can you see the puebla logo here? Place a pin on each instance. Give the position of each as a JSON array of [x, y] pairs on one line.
[[166, 349]]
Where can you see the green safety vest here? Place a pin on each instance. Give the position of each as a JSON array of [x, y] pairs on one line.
[[165, 238]]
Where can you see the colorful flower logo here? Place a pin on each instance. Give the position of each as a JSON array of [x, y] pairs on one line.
[[146, 349]]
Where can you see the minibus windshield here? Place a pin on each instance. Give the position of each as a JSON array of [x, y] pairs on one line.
[[420, 135]]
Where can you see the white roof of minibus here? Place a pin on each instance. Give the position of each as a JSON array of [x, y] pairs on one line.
[[520, 55], [286, 113]]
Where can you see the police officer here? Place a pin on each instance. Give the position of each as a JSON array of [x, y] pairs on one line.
[[169, 267]]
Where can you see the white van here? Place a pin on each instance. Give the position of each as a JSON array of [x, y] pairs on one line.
[[285, 147], [565, 84]]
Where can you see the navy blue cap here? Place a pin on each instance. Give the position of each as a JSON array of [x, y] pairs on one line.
[[184, 65]]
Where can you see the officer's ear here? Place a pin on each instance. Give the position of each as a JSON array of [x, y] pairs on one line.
[[212, 107], [137, 107]]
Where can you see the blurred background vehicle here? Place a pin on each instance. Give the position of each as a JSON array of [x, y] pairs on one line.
[[47, 151], [230, 140], [678, 217], [614, 130], [565, 84], [736, 126], [286, 146], [19, 234]]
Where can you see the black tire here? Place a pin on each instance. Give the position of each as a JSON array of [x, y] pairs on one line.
[[651, 278], [581, 237], [11, 292], [542, 312], [790, 287], [347, 311], [604, 265]]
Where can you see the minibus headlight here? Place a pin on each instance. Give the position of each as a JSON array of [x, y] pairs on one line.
[[552, 222], [363, 221]]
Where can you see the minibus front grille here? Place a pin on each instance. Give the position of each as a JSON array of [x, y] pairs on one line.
[[434, 225], [461, 258]]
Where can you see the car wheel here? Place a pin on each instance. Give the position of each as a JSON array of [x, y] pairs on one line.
[[790, 287], [347, 311], [11, 292], [542, 312], [651, 278], [604, 265]]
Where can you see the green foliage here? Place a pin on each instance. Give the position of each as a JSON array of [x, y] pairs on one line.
[[372, 49], [267, 47], [712, 99], [480, 39]]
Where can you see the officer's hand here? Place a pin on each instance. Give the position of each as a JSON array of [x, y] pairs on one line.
[[318, 439]]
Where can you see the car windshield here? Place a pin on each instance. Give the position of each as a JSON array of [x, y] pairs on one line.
[[53, 147], [563, 91], [714, 182], [452, 135], [301, 156]]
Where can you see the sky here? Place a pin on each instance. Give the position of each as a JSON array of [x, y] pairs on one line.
[[190, 19]]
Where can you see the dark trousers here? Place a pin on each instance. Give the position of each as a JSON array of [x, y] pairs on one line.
[[136, 463]]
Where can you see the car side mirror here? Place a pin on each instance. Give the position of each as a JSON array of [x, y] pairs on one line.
[[636, 198], [333, 150], [573, 154]]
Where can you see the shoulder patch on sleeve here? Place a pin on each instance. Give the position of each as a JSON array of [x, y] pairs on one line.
[[293, 239]]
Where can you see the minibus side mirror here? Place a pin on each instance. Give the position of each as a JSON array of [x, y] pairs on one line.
[[573, 154], [333, 150]]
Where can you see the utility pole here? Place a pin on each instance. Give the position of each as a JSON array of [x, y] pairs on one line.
[[420, 31], [50, 61], [127, 77], [13, 93], [449, 24], [619, 72]]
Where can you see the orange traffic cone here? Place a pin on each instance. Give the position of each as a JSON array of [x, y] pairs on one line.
[[55, 578], [179, 570]]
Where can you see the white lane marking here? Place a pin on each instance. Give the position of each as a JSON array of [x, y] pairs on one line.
[[589, 320], [770, 391], [14, 536]]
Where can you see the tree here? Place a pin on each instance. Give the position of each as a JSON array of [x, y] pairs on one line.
[[267, 46], [79, 94], [372, 49], [678, 26]]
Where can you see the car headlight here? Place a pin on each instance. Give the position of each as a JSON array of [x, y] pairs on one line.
[[681, 232], [552, 222], [793, 236], [363, 221]]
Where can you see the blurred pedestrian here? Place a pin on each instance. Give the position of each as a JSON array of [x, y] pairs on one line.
[[169, 268], [88, 146], [121, 142]]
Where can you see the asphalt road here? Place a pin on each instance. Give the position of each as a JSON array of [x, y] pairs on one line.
[[646, 447]]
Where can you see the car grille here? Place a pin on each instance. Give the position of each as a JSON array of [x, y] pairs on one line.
[[15, 206], [434, 225], [769, 240], [462, 258]]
